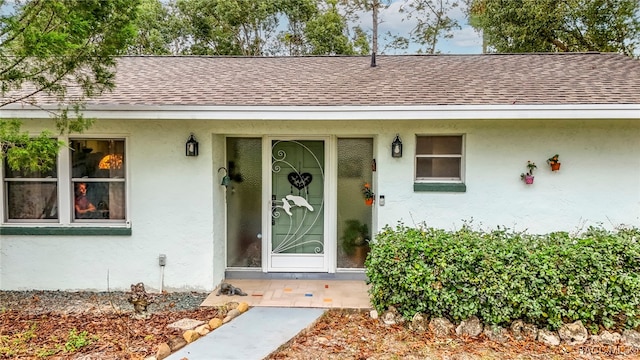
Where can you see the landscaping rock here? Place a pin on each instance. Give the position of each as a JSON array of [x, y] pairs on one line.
[[471, 327], [190, 336], [631, 338], [574, 333], [185, 324], [522, 331], [373, 314], [610, 338], [418, 323], [392, 317], [441, 327], [242, 307], [215, 323], [496, 333], [163, 351], [549, 338], [202, 330], [176, 343], [231, 315]]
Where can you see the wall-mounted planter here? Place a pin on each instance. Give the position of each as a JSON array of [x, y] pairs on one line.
[[369, 201], [528, 179], [554, 162]]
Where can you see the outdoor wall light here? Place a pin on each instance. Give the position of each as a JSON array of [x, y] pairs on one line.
[[396, 147], [191, 146]]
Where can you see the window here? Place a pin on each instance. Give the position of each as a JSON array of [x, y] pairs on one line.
[[86, 186], [439, 160], [98, 180], [31, 196]]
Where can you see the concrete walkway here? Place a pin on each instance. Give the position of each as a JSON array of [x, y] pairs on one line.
[[252, 335]]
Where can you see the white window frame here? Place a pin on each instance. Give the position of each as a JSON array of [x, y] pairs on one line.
[[461, 156], [66, 192]]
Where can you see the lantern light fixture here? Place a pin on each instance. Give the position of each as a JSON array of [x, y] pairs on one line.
[[396, 147], [191, 146]]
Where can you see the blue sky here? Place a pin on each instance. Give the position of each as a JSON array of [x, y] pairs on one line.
[[465, 40]]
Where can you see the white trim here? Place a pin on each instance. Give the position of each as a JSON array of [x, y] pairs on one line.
[[274, 262], [410, 112], [65, 182]]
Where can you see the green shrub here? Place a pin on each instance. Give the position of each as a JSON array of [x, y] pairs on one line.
[[501, 275]]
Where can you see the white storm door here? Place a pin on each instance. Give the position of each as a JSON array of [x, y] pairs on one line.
[[296, 232]]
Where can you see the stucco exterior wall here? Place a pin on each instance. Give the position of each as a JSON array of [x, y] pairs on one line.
[[176, 202], [171, 212]]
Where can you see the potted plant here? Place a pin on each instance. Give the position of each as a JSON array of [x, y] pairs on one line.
[[368, 194], [354, 236], [528, 176], [554, 162]]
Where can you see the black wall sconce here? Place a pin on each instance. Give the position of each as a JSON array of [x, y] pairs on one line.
[[191, 146], [396, 147]]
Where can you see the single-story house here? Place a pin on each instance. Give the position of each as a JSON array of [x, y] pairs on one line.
[[199, 169]]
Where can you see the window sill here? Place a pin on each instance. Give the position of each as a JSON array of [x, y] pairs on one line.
[[439, 187], [75, 230]]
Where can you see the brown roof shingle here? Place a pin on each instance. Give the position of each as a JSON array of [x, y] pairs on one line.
[[490, 79]]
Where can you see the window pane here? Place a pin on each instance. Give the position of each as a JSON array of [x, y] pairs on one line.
[[438, 168], [355, 158], [94, 158], [8, 173], [99, 200], [439, 145], [32, 200], [244, 202]]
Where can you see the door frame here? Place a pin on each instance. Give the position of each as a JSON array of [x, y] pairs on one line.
[[329, 188]]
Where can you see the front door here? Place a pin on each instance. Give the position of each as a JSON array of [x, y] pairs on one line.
[[296, 240]]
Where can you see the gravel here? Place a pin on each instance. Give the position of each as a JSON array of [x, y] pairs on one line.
[[41, 302]]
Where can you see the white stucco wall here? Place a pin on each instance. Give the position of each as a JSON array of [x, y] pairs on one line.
[[176, 203], [170, 204]]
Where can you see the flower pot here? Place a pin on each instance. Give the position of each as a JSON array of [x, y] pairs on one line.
[[369, 201], [528, 179], [555, 166]]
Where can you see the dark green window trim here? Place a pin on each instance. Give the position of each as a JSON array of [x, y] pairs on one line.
[[76, 230], [440, 187]]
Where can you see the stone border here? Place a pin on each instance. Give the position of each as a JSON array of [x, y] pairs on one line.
[[195, 329], [573, 334]]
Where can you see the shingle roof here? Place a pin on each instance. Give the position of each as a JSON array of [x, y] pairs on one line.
[[491, 79]]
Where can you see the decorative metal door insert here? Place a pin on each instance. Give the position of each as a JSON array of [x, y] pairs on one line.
[[297, 202]]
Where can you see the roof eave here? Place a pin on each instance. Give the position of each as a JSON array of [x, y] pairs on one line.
[[402, 112]]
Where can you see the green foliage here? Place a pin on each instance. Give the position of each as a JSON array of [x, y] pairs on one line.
[[76, 341], [501, 276], [249, 28], [432, 22], [17, 343], [549, 25], [156, 28], [63, 49]]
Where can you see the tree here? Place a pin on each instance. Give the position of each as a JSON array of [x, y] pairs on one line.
[[326, 34], [552, 25], [431, 18], [58, 48], [353, 7], [156, 29], [433, 22], [230, 27]]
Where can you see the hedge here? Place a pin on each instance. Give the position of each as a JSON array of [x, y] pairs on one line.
[[501, 275]]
